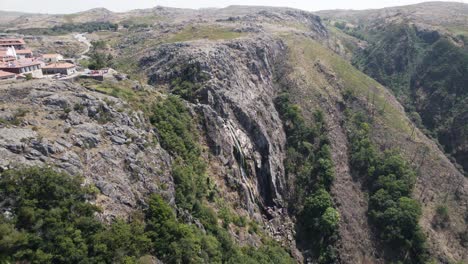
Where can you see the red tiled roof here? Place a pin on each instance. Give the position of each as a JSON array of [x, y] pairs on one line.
[[24, 51], [59, 66], [6, 41], [20, 63], [3, 52], [6, 74], [50, 56]]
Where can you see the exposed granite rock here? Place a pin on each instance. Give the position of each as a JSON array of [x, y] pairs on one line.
[[110, 149], [243, 129]]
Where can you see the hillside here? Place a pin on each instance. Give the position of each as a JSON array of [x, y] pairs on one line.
[[242, 135], [422, 58]]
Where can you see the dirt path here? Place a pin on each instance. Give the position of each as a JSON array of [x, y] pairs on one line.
[[82, 38]]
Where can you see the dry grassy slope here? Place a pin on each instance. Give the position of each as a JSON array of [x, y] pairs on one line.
[[317, 80], [447, 15], [16, 20]]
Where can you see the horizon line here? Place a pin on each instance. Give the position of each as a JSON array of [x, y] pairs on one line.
[[245, 5]]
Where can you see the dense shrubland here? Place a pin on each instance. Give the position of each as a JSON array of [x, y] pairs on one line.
[[428, 73], [310, 173], [48, 219], [99, 57], [390, 181], [63, 29]]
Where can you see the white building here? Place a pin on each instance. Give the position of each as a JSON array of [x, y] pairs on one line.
[[23, 67], [62, 68], [52, 58]]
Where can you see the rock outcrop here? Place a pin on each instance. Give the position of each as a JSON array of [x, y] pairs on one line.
[[84, 133]]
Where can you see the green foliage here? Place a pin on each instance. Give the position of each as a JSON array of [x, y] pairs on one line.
[[120, 241], [178, 136], [99, 60], [320, 218], [98, 56], [316, 204], [309, 162], [189, 81], [329, 220], [173, 242], [52, 222], [266, 254], [428, 73], [177, 242], [390, 180], [340, 25], [68, 28], [175, 128], [182, 243]]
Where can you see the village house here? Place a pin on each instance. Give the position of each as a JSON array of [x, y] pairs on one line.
[[10, 53], [61, 68], [7, 55], [51, 58], [24, 54], [7, 76], [18, 44], [23, 67]]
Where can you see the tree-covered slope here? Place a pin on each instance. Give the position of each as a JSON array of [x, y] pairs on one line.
[[320, 79], [423, 62]]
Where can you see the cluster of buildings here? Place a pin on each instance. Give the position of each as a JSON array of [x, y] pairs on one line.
[[19, 62]]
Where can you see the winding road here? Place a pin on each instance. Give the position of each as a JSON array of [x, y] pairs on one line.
[[82, 38]]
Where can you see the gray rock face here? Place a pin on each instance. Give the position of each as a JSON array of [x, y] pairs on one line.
[[82, 133], [243, 129], [239, 90], [235, 100]]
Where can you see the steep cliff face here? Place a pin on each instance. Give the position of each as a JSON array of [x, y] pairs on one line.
[[238, 90], [243, 131]]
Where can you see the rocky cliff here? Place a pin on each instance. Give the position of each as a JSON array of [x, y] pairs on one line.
[[84, 133]]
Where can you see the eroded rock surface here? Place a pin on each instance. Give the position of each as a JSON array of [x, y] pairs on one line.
[[84, 133]]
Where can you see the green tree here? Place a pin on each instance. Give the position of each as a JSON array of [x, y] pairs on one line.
[[329, 220]]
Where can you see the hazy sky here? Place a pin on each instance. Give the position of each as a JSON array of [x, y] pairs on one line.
[[70, 6]]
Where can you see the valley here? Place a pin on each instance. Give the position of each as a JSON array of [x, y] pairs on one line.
[[239, 135]]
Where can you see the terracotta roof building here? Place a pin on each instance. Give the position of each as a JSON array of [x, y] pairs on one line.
[[17, 43], [23, 66], [6, 55], [62, 68], [7, 76], [52, 57], [24, 53]]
